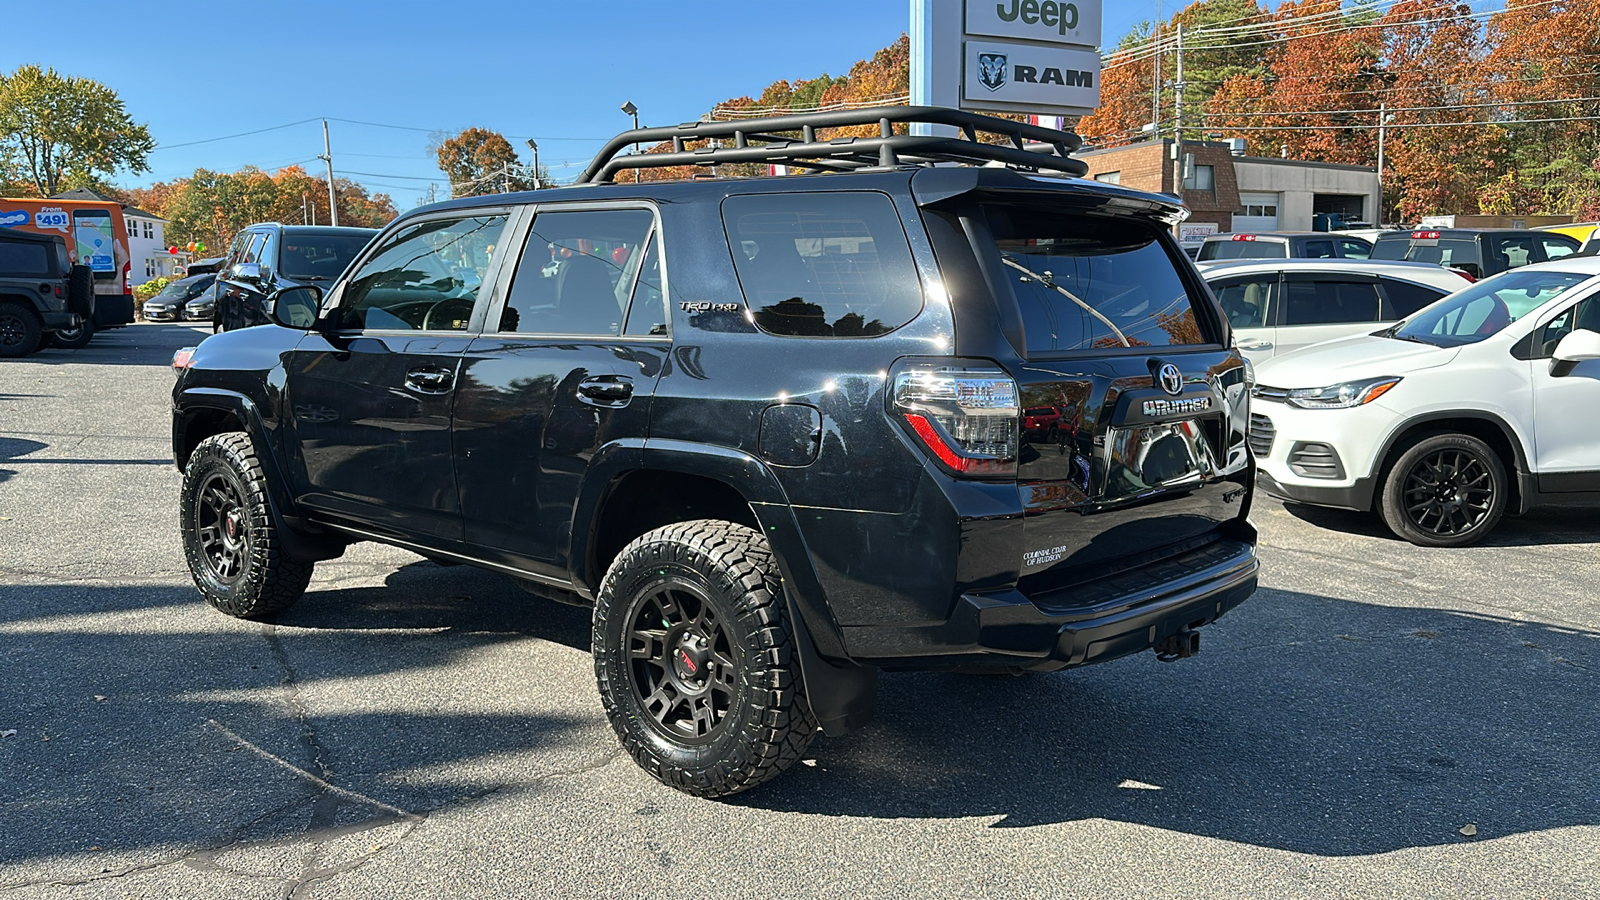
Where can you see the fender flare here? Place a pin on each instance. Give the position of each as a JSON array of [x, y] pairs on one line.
[[842, 694], [1522, 474]]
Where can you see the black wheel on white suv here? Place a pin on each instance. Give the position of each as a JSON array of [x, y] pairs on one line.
[[1447, 490]]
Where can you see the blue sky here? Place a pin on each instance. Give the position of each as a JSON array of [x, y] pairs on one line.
[[554, 71]]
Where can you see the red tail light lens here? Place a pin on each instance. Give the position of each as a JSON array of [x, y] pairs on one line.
[[968, 417], [182, 358]]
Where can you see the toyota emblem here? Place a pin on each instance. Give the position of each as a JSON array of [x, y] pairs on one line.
[[1170, 379]]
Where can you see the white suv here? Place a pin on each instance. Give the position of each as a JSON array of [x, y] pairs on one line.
[[1480, 404]]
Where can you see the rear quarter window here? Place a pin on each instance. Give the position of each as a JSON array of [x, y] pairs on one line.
[[1086, 283], [833, 264]]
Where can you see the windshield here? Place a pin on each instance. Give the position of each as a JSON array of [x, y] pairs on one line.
[[1482, 310], [177, 290], [318, 257], [1237, 249]]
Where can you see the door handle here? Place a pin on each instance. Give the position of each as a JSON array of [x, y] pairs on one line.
[[1255, 345], [606, 390], [429, 380]]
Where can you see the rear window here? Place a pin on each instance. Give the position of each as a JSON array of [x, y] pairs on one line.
[[823, 265], [1234, 249], [1429, 250], [25, 258], [1089, 283], [319, 257]]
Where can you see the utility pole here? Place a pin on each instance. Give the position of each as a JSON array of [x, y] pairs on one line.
[[327, 157], [1383, 119], [1155, 83], [305, 218], [1177, 123]]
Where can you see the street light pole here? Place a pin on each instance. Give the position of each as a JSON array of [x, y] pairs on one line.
[[1383, 119], [534, 146], [632, 110]]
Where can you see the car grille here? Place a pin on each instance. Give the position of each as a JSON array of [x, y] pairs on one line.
[[1261, 435], [1315, 460], [1271, 394]]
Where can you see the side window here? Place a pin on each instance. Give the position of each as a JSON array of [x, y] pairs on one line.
[[1407, 297], [1512, 251], [578, 271], [267, 255], [426, 277], [1329, 303], [1353, 249], [1555, 248], [1245, 300], [1319, 250], [1585, 315], [252, 252], [830, 264], [24, 258], [647, 314]]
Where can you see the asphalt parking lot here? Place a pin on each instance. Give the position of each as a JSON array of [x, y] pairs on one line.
[[1378, 721]]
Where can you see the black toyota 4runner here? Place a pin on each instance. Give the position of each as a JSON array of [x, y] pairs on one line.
[[770, 428]]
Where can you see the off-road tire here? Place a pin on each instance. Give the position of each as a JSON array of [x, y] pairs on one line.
[[1415, 516], [268, 580], [20, 330], [75, 339], [768, 723], [80, 292]]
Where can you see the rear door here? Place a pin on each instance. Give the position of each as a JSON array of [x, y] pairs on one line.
[[1150, 456], [1320, 306], [564, 367], [1249, 304]]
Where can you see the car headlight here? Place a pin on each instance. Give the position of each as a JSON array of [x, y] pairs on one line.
[[1341, 396]]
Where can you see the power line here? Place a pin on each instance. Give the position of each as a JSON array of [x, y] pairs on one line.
[[229, 137]]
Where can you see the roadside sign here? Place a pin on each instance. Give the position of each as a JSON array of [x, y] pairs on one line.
[[1042, 21], [1016, 76]]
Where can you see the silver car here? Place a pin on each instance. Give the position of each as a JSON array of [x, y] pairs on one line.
[[1283, 304]]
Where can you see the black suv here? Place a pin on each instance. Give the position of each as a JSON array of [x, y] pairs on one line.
[[1480, 252], [1283, 245], [269, 257], [41, 292], [770, 428]]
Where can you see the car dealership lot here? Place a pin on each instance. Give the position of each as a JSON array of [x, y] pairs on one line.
[[410, 727]]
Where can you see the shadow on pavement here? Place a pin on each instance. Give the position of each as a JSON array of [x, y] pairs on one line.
[[135, 345], [1543, 525]]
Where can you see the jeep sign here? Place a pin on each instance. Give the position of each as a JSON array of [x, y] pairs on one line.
[[1045, 21], [1024, 75]]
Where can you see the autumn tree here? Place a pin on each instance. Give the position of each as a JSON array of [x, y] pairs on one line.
[[210, 207], [60, 131], [479, 161]]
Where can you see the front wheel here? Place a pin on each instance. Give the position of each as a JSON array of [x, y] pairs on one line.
[[696, 661], [1447, 490], [230, 538]]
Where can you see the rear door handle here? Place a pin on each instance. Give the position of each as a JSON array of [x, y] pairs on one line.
[[429, 379], [606, 390], [1255, 345]]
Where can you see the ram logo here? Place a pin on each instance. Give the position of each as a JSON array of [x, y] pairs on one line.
[[992, 70]]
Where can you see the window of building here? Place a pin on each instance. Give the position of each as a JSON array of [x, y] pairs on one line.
[[1110, 177], [1260, 209], [149, 229], [1203, 178], [151, 268], [133, 227]]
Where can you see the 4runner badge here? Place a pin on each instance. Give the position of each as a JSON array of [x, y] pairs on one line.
[[1176, 407]]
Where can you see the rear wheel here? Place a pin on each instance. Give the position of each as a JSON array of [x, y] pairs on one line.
[[1448, 490], [230, 538], [75, 337], [20, 332], [695, 659]]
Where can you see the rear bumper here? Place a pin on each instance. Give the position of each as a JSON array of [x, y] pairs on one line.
[[1098, 621]]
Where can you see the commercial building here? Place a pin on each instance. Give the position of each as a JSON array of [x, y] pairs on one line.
[[1231, 191]]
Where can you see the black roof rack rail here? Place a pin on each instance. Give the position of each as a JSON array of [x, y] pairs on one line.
[[765, 141]]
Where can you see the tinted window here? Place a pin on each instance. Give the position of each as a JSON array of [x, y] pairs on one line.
[[1555, 247], [427, 276], [1483, 309], [823, 265], [1244, 301], [1319, 250], [252, 252], [1236, 249], [1354, 249], [578, 271], [1328, 302], [267, 253], [18, 257], [1407, 297], [318, 257], [1084, 282], [1447, 252], [647, 314], [1584, 315], [1510, 252]]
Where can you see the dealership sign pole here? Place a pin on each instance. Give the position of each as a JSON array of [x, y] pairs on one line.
[[1039, 57]]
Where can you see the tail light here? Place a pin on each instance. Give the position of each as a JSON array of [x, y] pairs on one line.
[[968, 417], [127, 276], [183, 358]]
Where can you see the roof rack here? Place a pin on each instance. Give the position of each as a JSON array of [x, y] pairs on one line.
[[771, 140]]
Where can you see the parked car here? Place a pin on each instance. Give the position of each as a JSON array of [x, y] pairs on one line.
[[203, 306], [1578, 231], [1480, 252], [170, 303], [1591, 247], [41, 292], [770, 428], [1282, 305], [210, 265], [269, 257], [1283, 245], [1472, 408]]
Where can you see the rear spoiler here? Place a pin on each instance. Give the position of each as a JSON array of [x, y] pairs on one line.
[[939, 186]]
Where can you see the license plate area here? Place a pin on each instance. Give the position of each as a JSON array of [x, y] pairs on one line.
[[1153, 457]]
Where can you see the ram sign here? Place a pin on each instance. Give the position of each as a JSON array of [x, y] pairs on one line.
[[1019, 76]]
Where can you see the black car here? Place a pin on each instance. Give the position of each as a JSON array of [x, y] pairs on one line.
[[1283, 245], [42, 293], [269, 257], [170, 304], [771, 429], [203, 307], [1480, 252]]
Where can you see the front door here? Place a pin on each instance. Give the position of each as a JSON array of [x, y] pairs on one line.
[[369, 401], [567, 365], [1566, 453]]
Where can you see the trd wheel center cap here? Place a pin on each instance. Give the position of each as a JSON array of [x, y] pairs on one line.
[[232, 525], [690, 660]]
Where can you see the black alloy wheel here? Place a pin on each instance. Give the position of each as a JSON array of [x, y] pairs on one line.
[[222, 523], [695, 659], [19, 331], [1447, 490]]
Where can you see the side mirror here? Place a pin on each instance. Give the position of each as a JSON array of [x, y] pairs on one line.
[[247, 272], [294, 307], [1578, 346]]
